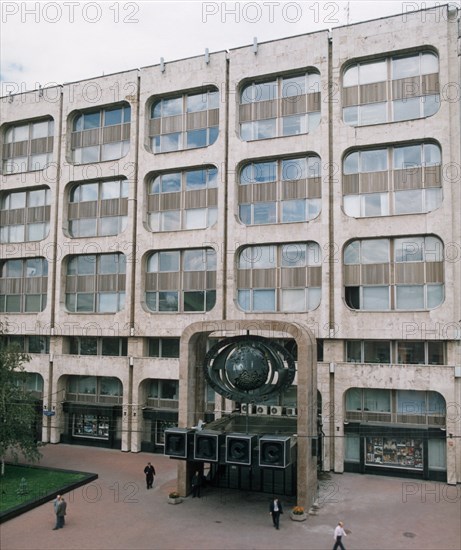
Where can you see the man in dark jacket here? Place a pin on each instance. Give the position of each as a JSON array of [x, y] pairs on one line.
[[275, 509], [62, 513], [149, 470], [196, 483]]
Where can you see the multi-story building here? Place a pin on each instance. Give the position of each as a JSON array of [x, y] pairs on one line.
[[309, 181]]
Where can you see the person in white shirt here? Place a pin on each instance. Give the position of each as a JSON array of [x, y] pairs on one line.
[[339, 533]]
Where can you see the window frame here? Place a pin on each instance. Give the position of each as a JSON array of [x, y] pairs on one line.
[[361, 278], [183, 123], [23, 286], [359, 184], [162, 342], [278, 107], [258, 192], [23, 342], [172, 293], [161, 204], [93, 281], [388, 92], [268, 275], [77, 342], [395, 349], [99, 209], [74, 381], [43, 147], [99, 137], [29, 215], [161, 392]]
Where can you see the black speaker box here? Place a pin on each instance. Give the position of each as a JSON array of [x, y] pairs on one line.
[[239, 448], [206, 445], [177, 442], [274, 451]]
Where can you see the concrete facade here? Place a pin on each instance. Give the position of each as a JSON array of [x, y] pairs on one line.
[[333, 322]]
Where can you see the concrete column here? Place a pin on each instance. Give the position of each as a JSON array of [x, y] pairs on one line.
[[58, 419], [126, 425], [136, 428], [452, 451], [307, 413], [337, 421], [324, 389], [191, 391]]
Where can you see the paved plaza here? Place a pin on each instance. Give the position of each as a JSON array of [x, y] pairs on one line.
[[117, 512]]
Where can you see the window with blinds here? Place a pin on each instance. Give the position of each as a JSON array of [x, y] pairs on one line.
[[27, 146], [98, 208], [280, 190], [405, 273], [399, 179], [181, 280], [280, 106], [401, 352], [285, 277], [25, 215], [401, 87], [23, 285], [185, 121], [396, 406], [95, 283], [93, 389], [185, 199], [100, 135]]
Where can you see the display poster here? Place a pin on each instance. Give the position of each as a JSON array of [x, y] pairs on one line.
[[90, 426], [400, 452]]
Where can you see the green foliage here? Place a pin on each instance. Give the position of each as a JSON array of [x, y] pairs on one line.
[[40, 482], [18, 412]]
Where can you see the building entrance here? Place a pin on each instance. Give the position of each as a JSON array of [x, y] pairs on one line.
[[273, 450], [280, 482]]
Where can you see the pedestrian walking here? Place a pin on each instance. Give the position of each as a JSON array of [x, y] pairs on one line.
[[149, 470], [196, 482], [275, 509], [338, 535]]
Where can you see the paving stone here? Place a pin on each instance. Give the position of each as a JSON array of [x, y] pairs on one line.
[[117, 512]]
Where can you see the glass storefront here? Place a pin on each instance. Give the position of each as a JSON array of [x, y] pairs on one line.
[[394, 451], [90, 426], [160, 427]]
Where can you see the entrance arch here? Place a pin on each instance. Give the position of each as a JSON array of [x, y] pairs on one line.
[[192, 381]]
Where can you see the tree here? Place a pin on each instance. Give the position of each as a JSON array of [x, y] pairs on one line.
[[17, 407]]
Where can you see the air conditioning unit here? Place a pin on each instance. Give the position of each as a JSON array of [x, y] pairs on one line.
[[262, 409], [291, 411], [276, 410], [247, 408]]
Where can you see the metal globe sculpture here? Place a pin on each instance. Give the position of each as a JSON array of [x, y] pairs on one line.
[[249, 368]]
